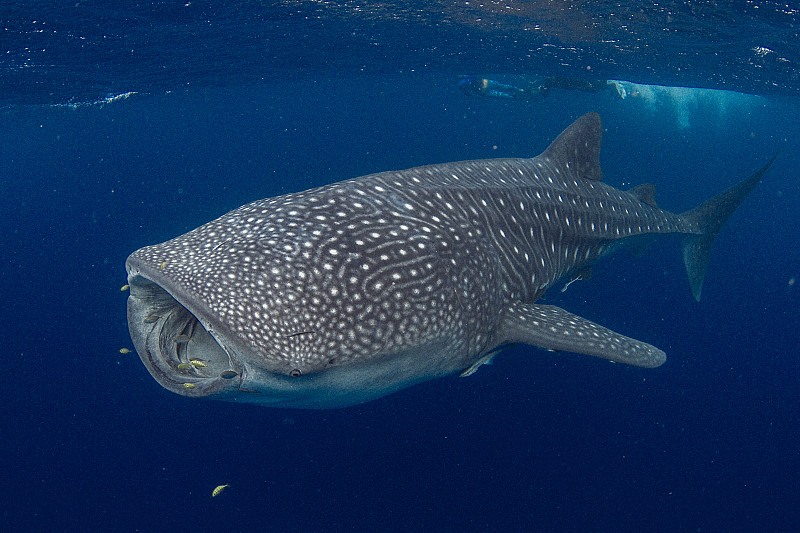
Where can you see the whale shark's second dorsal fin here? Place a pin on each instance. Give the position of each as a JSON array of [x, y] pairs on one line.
[[578, 148], [645, 193]]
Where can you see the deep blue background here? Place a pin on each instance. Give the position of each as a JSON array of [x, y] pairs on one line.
[[708, 442]]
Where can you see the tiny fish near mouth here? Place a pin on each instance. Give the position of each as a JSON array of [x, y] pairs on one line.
[[349, 292]]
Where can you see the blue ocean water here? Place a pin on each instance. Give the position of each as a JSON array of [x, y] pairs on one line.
[[125, 126]]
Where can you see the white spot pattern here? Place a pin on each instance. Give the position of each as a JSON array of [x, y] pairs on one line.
[[426, 255]]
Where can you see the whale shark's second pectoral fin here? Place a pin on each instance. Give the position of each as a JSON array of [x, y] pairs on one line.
[[553, 328]]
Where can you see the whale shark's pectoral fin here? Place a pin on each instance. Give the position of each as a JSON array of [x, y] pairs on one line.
[[553, 328]]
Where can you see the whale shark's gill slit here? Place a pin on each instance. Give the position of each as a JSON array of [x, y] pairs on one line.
[[183, 334]]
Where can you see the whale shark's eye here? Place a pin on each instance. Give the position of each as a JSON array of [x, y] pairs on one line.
[[295, 373]]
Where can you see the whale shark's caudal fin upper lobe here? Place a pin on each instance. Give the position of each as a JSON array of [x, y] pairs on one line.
[[709, 218]]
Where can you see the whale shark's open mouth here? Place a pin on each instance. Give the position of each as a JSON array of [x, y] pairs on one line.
[[175, 346]]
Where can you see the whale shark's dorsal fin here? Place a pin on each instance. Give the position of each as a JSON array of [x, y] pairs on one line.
[[578, 147]]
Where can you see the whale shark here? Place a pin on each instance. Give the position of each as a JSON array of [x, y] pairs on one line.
[[348, 292]]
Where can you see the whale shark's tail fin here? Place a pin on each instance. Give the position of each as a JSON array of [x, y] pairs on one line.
[[709, 218]]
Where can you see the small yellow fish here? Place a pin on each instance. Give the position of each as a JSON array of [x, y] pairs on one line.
[[189, 385], [124, 288], [183, 366], [197, 363], [162, 265], [217, 490], [124, 350]]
